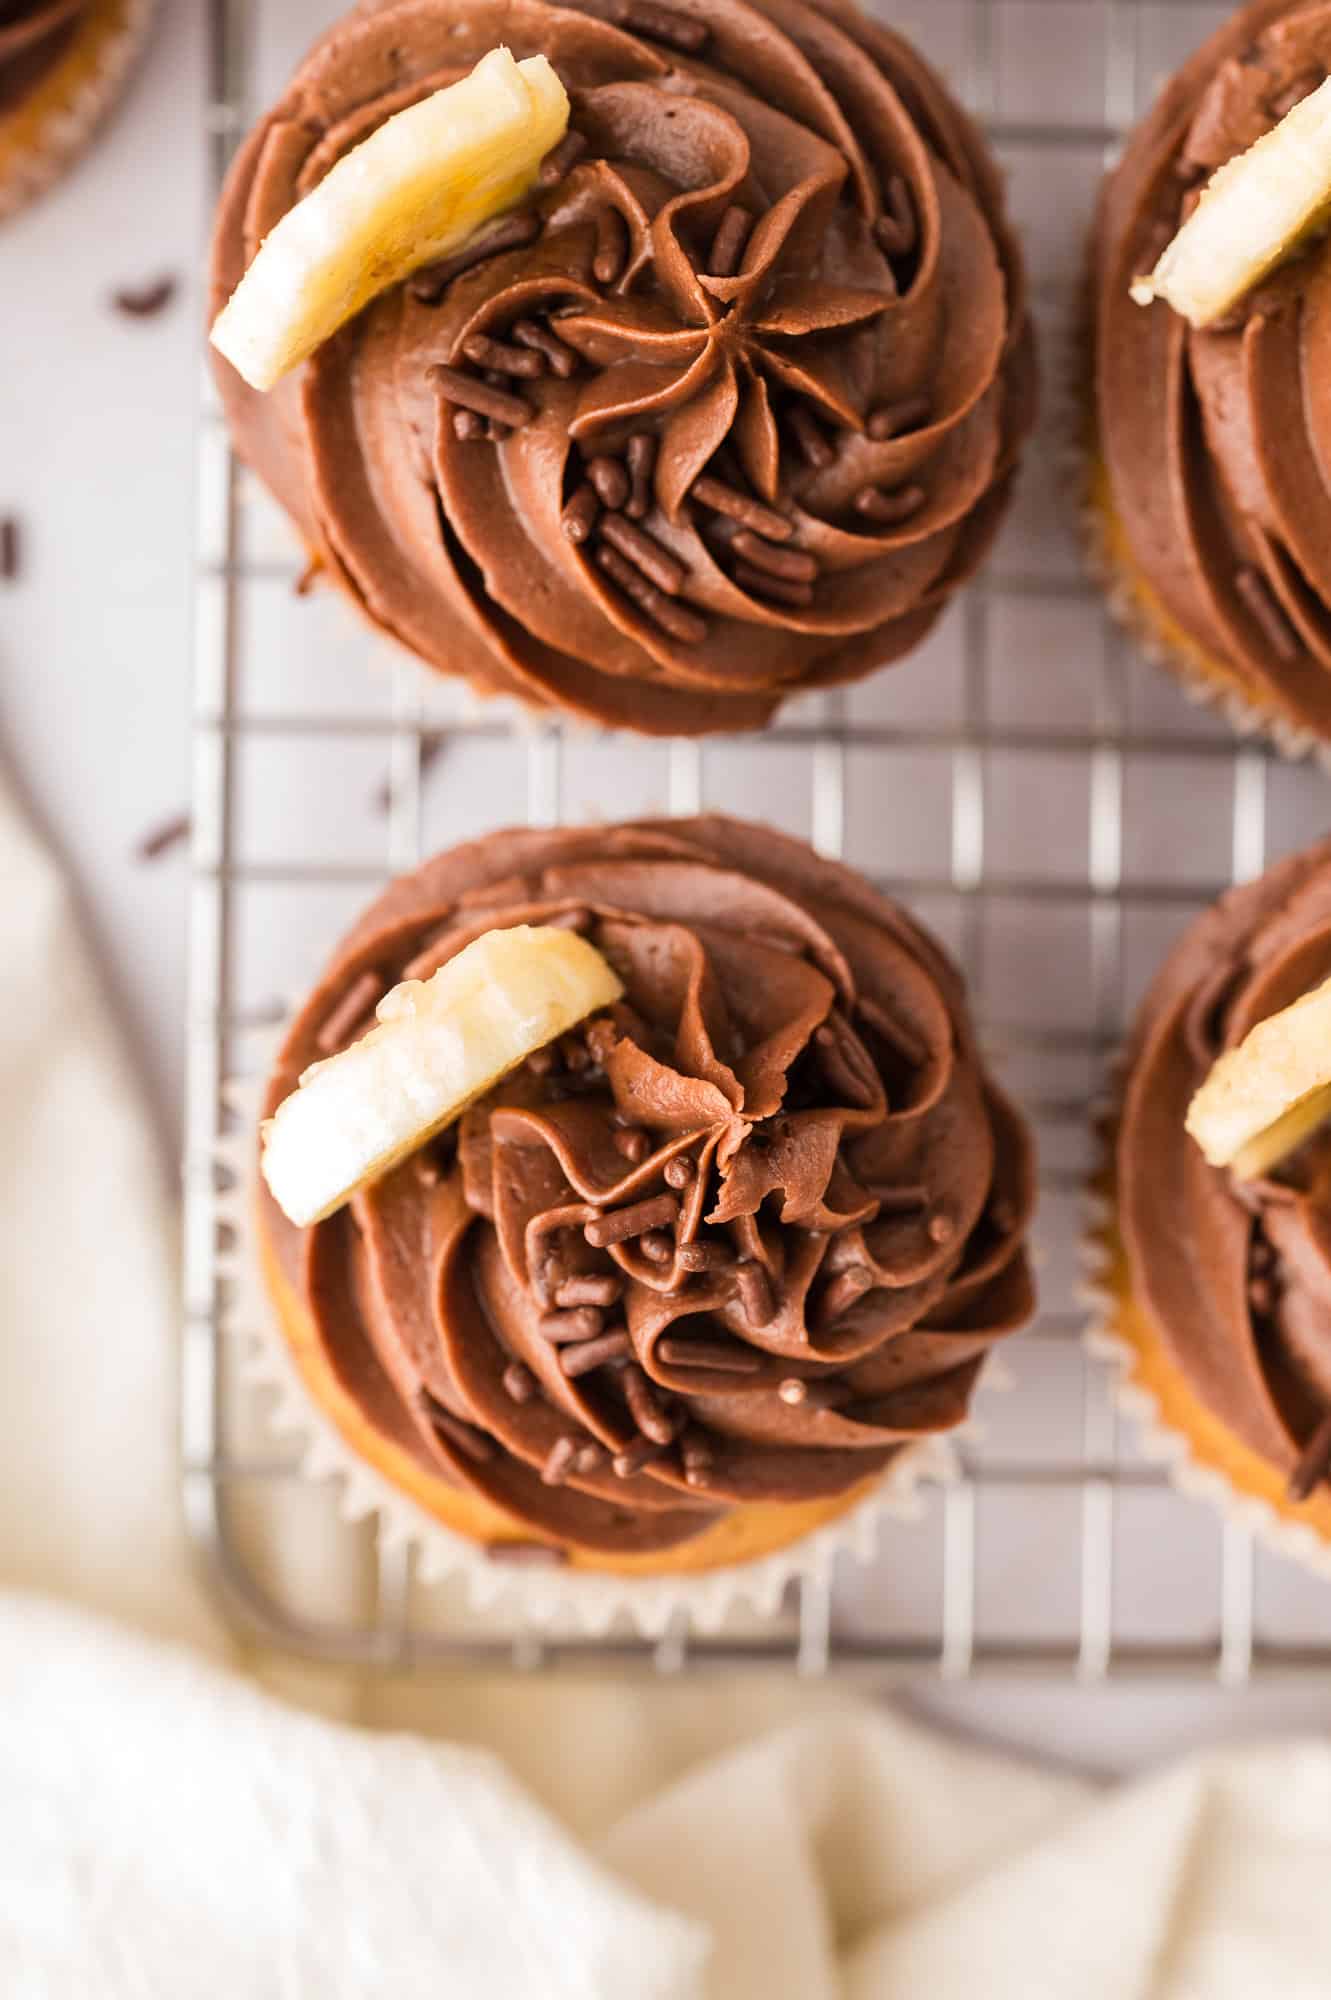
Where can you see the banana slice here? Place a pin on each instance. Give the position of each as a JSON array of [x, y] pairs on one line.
[[440, 1044], [1254, 211], [421, 185], [1265, 1097]]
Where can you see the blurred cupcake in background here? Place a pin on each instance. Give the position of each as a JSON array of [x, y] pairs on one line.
[[1210, 475], [63, 63], [1214, 1258]]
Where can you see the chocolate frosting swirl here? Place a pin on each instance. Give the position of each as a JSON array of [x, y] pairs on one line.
[[1217, 444], [1236, 1276], [34, 34], [779, 261], [740, 1239]]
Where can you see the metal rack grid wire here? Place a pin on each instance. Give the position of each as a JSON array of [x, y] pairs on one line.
[[1041, 754]]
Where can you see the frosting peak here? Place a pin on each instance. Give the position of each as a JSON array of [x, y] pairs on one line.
[[727, 413], [738, 1238]]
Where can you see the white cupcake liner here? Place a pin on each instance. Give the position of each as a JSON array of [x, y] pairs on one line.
[[1159, 1441], [64, 134], [590, 1600]]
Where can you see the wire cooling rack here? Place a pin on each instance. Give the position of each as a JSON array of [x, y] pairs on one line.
[[1046, 802]]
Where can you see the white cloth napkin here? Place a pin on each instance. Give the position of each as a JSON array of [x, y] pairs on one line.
[[171, 1831]]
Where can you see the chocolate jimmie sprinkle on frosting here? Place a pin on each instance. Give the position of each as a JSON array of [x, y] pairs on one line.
[[769, 241], [615, 1345]]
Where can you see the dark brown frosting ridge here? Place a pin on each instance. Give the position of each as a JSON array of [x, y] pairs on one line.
[[1236, 1276], [858, 329], [1218, 443], [810, 1198]]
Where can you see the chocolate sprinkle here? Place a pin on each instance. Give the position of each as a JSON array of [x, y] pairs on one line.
[[804, 1395], [640, 456], [897, 231], [755, 1292], [795, 565], [582, 1323], [810, 439], [583, 1355], [526, 1555], [645, 1408], [431, 744], [526, 362], [902, 1200], [10, 548], [360, 999], [674, 619], [431, 282], [761, 583], [633, 1143], [519, 1382], [704, 1257], [657, 1247], [159, 839], [1314, 1463], [560, 359], [1253, 588], [590, 1291], [564, 156], [612, 246], [679, 1172], [559, 1462], [709, 1354], [611, 481], [893, 418], [741, 507], [580, 513], [876, 505], [659, 1211], [643, 1451], [144, 301], [656, 563], [467, 393], [732, 234]]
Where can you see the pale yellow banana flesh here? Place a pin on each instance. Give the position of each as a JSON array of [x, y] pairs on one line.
[[1265, 1097], [1254, 212], [425, 182], [439, 1044]]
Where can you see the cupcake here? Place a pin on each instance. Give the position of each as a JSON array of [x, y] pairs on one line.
[[62, 63], [691, 1279], [1217, 1259], [725, 411], [1210, 497]]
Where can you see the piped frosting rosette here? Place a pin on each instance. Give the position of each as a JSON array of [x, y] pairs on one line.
[[724, 1253], [727, 412]]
